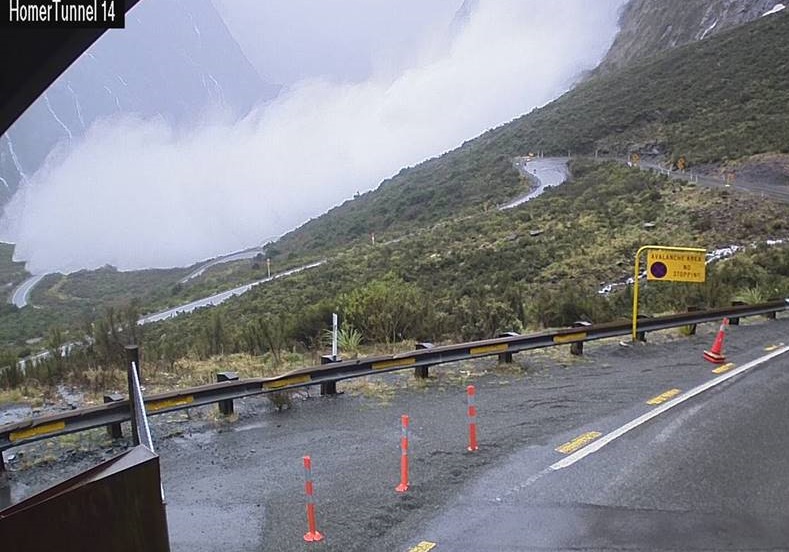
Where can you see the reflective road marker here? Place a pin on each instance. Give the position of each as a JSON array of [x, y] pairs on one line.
[[424, 546], [578, 442], [663, 397]]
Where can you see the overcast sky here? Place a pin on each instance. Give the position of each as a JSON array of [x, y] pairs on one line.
[[289, 40], [136, 193]]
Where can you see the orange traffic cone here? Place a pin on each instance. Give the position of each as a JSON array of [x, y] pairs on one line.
[[715, 355]]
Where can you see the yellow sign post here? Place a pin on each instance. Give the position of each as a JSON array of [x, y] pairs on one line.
[[669, 264]]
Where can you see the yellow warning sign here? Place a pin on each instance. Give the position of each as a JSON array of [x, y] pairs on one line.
[[676, 266]]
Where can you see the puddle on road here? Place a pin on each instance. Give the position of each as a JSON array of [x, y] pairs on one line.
[[251, 426]]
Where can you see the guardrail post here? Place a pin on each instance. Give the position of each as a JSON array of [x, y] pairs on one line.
[[5, 488], [692, 327], [735, 320], [133, 360], [226, 406], [577, 347], [641, 335], [115, 430], [506, 358], [329, 388], [421, 372]]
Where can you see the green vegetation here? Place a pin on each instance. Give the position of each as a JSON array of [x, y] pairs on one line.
[[467, 277], [11, 273], [448, 265], [75, 301], [710, 101], [477, 275], [720, 99]]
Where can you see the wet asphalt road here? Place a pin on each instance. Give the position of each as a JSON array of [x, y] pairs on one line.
[[240, 486], [710, 474], [708, 469]]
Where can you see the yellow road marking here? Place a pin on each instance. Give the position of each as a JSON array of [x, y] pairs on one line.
[[773, 347], [424, 546], [500, 348], [663, 397], [167, 403], [569, 338], [393, 363], [293, 380], [723, 368], [38, 430], [578, 442]]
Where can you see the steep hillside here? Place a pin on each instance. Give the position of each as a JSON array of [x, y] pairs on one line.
[[540, 264], [648, 27], [719, 99]]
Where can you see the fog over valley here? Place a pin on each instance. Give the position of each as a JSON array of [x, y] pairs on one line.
[[138, 191]]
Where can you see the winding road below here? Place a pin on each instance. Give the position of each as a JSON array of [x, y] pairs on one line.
[[548, 171], [221, 297], [21, 294]]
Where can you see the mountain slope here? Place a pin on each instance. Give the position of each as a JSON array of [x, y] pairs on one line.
[[648, 27], [718, 99], [175, 59]]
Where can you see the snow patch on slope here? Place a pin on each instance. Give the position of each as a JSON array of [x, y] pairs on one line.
[[775, 9]]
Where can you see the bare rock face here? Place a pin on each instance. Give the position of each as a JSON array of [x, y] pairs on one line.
[[649, 27]]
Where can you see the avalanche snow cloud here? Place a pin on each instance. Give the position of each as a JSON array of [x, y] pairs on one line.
[[137, 194]]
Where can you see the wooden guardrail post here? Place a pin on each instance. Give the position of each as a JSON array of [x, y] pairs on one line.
[[735, 320], [133, 360], [692, 327], [329, 388], [226, 406], [421, 372], [115, 430], [641, 335], [577, 347], [5, 488], [506, 358]]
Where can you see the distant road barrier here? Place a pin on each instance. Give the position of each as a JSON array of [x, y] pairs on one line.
[[328, 374], [766, 190]]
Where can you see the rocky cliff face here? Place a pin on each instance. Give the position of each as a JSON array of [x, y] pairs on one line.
[[174, 60], [651, 26]]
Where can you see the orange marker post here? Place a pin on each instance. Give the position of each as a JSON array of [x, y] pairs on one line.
[[312, 534], [472, 419], [403, 486]]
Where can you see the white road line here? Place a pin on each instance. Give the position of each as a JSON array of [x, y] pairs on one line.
[[603, 441]]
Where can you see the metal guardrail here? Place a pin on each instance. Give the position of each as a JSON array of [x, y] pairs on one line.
[[750, 186], [42, 427]]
